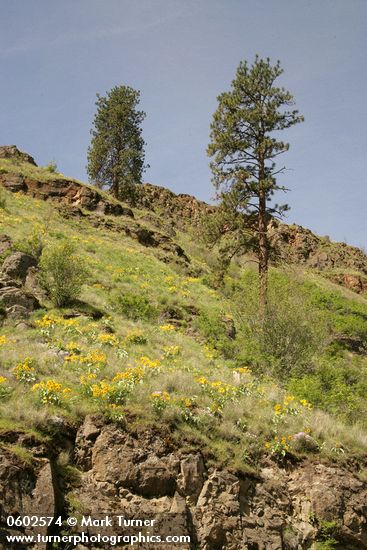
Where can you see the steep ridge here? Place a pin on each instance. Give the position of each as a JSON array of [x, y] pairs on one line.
[[341, 263]]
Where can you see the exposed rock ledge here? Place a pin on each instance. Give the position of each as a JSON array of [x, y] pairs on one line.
[[64, 190], [142, 474]]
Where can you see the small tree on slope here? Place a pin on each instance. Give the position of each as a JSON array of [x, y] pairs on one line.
[[116, 154], [243, 148]]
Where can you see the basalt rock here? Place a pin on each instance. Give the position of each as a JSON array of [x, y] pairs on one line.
[[12, 152], [15, 300], [65, 191], [296, 244], [16, 296], [356, 283], [169, 250], [142, 474], [16, 265], [181, 210], [26, 489]]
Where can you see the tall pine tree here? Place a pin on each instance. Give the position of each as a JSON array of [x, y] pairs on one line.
[[244, 146], [116, 154]]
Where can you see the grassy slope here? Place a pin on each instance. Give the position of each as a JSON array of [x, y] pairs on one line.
[[136, 366]]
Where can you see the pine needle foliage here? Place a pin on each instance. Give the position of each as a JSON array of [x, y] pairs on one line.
[[244, 145], [116, 153]]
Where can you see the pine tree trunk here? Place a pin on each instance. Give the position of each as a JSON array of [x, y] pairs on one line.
[[263, 255], [115, 187], [263, 243]]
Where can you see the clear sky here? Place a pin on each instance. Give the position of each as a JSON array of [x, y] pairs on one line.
[[56, 55]]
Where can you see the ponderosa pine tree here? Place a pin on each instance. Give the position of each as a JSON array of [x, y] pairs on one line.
[[244, 146], [116, 154]]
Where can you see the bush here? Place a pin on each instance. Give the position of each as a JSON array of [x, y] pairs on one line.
[[215, 331], [337, 385], [293, 332], [326, 536], [33, 245], [135, 306], [62, 273], [345, 316], [51, 167]]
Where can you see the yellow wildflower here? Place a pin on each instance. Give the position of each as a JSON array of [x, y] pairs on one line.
[[87, 378], [243, 370], [288, 399], [167, 328], [278, 409], [109, 339]]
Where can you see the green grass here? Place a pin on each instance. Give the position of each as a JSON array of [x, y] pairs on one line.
[[42, 174], [28, 170], [135, 306]]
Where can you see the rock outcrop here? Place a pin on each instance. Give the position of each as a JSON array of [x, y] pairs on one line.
[[16, 297], [66, 191], [12, 152], [169, 212], [73, 197], [292, 244], [299, 245], [181, 210], [142, 474]]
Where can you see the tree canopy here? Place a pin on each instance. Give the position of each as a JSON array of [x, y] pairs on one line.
[[116, 153], [244, 145]]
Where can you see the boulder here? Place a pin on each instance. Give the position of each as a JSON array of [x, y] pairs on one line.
[[13, 296], [17, 264], [303, 442], [16, 301]]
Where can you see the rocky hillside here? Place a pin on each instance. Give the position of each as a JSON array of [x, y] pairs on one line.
[[142, 473], [154, 395], [342, 263]]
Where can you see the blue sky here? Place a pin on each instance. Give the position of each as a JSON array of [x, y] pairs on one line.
[[55, 56]]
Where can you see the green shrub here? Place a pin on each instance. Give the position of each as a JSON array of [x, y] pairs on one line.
[[51, 167], [327, 531], [33, 245], [62, 273], [213, 327], [344, 315], [292, 333], [134, 306], [337, 385]]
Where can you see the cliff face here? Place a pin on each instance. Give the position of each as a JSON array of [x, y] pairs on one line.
[[294, 243], [143, 474]]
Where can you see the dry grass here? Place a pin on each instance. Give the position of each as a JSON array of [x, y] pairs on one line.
[[235, 434]]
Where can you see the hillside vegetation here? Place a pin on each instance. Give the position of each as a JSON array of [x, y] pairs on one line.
[[151, 340]]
